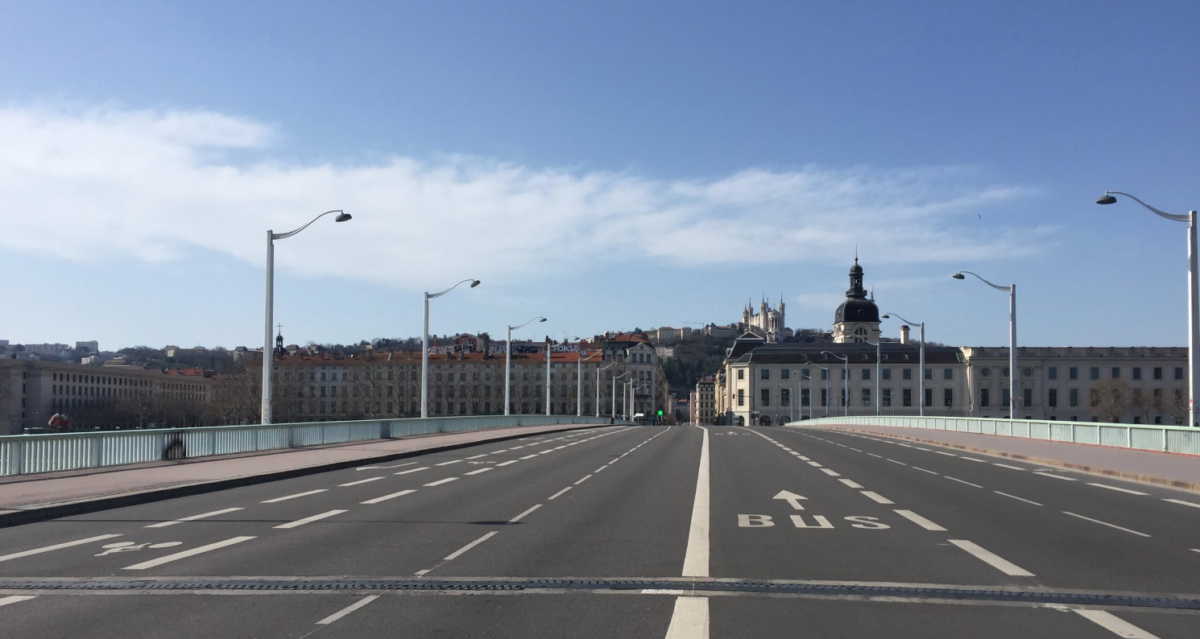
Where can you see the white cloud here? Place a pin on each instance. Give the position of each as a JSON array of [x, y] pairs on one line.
[[821, 301], [93, 184]]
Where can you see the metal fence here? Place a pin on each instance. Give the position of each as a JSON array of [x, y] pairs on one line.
[[1171, 439], [28, 454]]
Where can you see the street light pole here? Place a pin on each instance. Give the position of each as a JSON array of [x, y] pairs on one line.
[[921, 403], [548, 374], [878, 359], [1012, 340], [827, 397], [613, 408], [845, 381], [268, 350], [508, 361], [1193, 297], [598, 371], [425, 346]]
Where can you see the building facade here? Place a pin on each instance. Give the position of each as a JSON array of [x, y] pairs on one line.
[[767, 322], [704, 401]]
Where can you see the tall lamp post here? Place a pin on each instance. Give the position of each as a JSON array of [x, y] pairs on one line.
[[921, 386], [268, 351], [827, 397], [845, 381], [1012, 340], [598, 371], [548, 374], [1193, 295], [425, 346], [878, 359], [508, 360], [614, 394]]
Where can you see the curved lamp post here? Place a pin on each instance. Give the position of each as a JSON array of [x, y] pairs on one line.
[[1193, 295], [827, 397], [1012, 341], [920, 403], [845, 381], [878, 360], [425, 345], [598, 371], [268, 352], [508, 360], [614, 394]]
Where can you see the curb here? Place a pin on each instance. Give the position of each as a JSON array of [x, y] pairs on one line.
[[20, 516], [1193, 487]]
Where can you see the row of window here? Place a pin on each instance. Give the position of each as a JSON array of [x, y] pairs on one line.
[[906, 397], [948, 373]]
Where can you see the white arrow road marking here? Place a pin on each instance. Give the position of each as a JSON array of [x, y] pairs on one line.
[[36, 551], [791, 498], [187, 553], [347, 610]]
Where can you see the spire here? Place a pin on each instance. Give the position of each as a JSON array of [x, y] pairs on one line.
[[856, 282]]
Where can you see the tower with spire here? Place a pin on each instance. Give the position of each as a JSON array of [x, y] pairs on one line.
[[857, 318], [767, 323]]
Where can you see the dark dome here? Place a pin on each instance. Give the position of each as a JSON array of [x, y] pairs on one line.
[[855, 310]]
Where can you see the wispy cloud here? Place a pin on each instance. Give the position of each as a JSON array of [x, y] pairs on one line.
[[92, 184]]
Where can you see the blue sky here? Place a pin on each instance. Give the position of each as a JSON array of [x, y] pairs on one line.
[[607, 164]]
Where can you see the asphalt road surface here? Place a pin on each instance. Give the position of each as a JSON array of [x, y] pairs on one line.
[[681, 532]]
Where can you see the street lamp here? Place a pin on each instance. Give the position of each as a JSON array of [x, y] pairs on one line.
[[1012, 340], [598, 371], [921, 403], [508, 360], [548, 374], [878, 358], [425, 346], [613, 408], [268, 352], [827, 398], [845, 380], [1193, 295]]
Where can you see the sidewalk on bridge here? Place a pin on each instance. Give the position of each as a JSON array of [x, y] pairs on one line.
[[1148, 467], [26, 498]]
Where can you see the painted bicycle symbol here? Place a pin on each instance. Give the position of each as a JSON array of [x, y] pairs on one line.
[[128, 546]]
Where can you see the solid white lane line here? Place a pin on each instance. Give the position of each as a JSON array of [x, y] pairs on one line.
[[972, 459], [413, 470], [1114, 624], [961, 481], [919, 520], [695, 559], [690, 619], [1105, 523], [287, 497], [1016, 498], [1055, 476], [361, 481], [4, 601], [476, 472], [442, 481], [508, 463], [853, 484], [923, 470], [469, 546], [1007, 466], [453, 461], [387, 497], [187, 553], [309, 520], [897, 462], [585, 478], [1122, 490], [214, 513], [522, 515], [478, 456], [347, 610], [559, 493], [1183, 503], [830, 472], [36, 551], [876, 497], [992, 559]]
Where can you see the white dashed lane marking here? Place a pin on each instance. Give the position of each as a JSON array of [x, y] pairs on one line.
[[188, 553], [1105, 523], [207, 515], [347, 610], [992, 559], [919, 520], [961, 481], [391, 496], [38, 551], [1121, 490], [1016, 498], [309, 520], [287, 497]]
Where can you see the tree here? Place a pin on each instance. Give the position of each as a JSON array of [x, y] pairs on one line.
[[1110, 399]]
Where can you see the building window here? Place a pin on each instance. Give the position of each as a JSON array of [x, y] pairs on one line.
[[948, 397], [1073, 399], [804, 397], [1005, 371], [1027, 397], [1178, 372], [1137, 372], [1094, 373], [741, 396], [906, 397], [929, 397], [985, 398], [785, 397], [824, 375], [1073, 373], [948, 373], [1005, 398], [804, 374], [824, 397], [886, 373], [907, 374], [785, 373], [765, 397], [1052, 400], [928, 373], [765, 374], [866, 397], [1116, 372], [1158, 372], [866, 373], [741, 373], [886, 397], [1052, 373]]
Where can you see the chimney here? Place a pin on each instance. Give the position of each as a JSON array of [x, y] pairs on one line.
[[903, 333]]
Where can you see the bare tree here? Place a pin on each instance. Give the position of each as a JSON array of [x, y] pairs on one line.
[[1110, 399]]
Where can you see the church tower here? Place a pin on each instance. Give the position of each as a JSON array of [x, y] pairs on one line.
[[857, 318]]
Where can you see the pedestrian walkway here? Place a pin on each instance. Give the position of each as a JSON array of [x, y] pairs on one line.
[[23, 493], [1163, 469]]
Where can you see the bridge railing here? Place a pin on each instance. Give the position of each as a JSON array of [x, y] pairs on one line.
[[29, 454], [1171, 439]]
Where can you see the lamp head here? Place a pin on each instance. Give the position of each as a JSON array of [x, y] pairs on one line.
[[343, 217], [958, 276], [543, 319], [474, 283], [886, 316], [1106, 199]]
